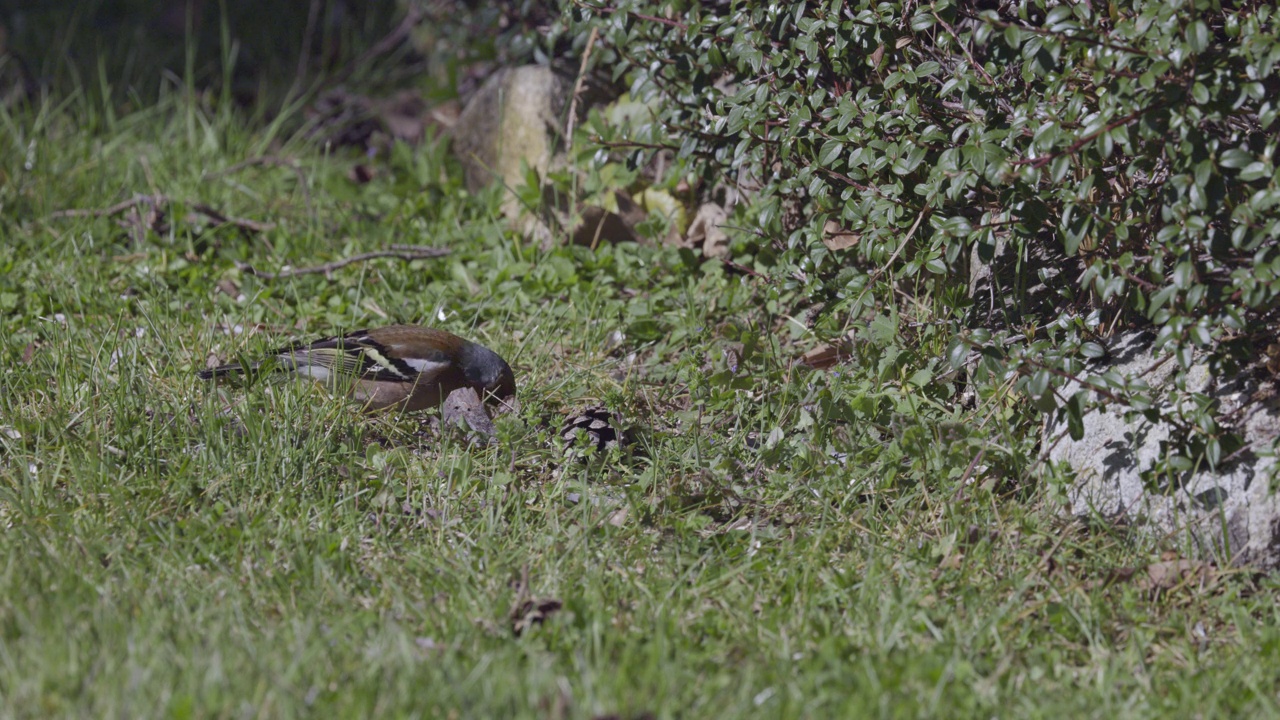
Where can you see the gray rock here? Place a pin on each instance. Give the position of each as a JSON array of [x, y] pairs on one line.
[[516, 118], [1231, 515]]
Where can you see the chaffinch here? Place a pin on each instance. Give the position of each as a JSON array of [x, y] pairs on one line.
[[405, 366]]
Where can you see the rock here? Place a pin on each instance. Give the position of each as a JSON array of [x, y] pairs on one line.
[[512, 121], [465, 409], [516, 122], [1230, 514]]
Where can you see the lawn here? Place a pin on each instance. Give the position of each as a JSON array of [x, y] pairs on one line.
[[774, 542]]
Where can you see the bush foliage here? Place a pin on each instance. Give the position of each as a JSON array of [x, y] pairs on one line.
[[1120, 157]]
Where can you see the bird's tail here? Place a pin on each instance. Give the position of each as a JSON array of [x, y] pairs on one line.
[[231, 370]]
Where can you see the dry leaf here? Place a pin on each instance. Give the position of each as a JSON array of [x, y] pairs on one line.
[[705, 231], [825, 356], [1168, 574], [876, 56], [1164, 575], [664, 203], [1273, 358], [836, 237], [228, 287], [403, 115], [618, 517], [464, 408]]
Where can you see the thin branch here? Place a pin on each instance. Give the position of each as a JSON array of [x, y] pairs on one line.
[[892, 258], [1055, 34], [663, 21], [1074, 147], [109, 210], [968, 472], [220, 219], [745, 270], [632, 145], [610, 10], [848, 180], [577, 86], [963, 48], [402, 252], [154, 201]]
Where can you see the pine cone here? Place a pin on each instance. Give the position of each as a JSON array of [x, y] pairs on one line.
[[597, 423]]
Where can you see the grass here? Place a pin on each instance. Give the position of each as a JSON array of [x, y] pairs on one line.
[[776, 543]]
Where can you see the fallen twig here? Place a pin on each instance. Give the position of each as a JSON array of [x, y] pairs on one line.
[[744, 269], [155, 201], [221, 219], [402, 252]]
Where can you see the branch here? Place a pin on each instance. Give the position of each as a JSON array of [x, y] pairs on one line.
[[963, 48], [1074, 147], [402, 252], [610, 10], [1051, 33], [154, 201], [577, 86]]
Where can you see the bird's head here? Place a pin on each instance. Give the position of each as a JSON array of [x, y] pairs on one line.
[[487, 371]]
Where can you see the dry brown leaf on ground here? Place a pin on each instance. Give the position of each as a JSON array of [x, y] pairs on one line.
[[825, 356], [465, 409], [705, 232], [838, 238], [1164, 575]]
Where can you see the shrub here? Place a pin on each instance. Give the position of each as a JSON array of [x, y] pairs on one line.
[[1120, 156]]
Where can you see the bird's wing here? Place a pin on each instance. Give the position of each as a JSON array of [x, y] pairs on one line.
[[354, 355]]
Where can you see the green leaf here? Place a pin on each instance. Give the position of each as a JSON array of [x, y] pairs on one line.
[[1075, 415], [1213, 452], [920, 378], [1254, 171], [1182, 274], [831, 150], [1198, 36], [1235, 158], [1038, 383], [922, 21]]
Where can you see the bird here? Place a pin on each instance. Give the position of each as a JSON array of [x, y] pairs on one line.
[[408, 367]]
